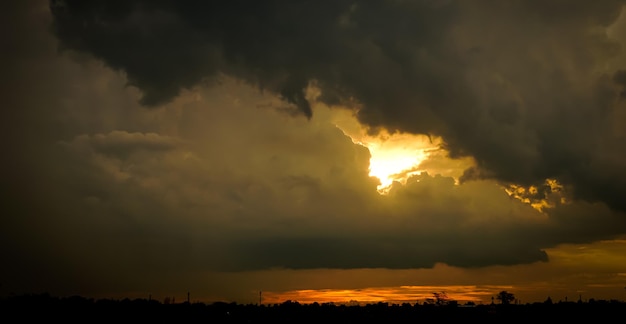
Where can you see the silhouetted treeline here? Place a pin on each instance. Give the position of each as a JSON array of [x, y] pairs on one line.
[[35, 308]]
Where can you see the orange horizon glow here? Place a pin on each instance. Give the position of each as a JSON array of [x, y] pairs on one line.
[[393, 295]]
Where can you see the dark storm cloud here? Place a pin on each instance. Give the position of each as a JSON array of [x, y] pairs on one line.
[[522, 86], [390, 253], [165, 46], [102, 193]]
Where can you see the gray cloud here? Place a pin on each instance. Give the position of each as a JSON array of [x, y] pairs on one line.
[[523, 87], [208, 179]]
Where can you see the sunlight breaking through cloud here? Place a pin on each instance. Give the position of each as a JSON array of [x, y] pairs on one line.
[[394, 156], [548, 195]]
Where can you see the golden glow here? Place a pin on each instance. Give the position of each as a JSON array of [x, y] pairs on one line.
[[394, 156], [530, 195]]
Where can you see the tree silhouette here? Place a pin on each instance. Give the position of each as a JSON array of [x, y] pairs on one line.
[[441, 298], [505, 297]]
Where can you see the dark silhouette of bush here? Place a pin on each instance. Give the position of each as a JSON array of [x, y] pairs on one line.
[[505, 297]]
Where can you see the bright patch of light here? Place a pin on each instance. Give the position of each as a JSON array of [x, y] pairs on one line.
[[551, 194], [394, 157], [391, 163]]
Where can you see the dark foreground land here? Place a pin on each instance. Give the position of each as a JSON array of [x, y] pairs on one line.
[[46, 308]]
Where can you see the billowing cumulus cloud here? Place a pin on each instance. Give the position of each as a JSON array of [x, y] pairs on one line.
[[218, 173], [530, 89]]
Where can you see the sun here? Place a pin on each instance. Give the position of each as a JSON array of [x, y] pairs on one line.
[[394, 156], [395, 160]]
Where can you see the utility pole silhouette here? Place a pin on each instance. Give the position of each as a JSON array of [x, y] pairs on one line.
[[260, 298], [188, 298]]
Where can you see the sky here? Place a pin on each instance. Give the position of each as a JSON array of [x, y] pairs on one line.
[[264, 151]]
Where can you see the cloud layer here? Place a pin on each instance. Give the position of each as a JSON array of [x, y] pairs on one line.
[[102, 192], [530, 89]]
